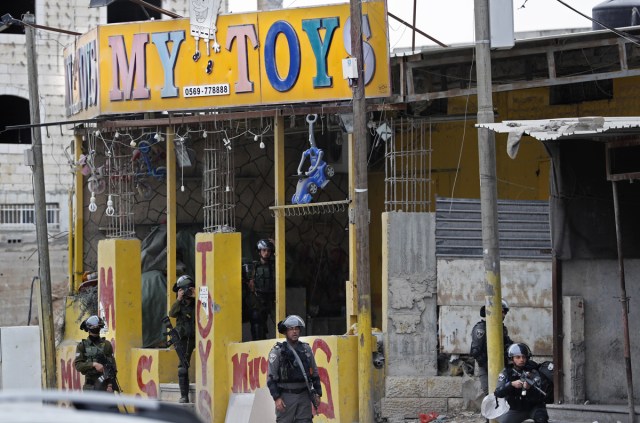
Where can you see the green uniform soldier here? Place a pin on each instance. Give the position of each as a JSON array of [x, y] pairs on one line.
[[183, 310], [261, 298], [292, 377], [94, 358]]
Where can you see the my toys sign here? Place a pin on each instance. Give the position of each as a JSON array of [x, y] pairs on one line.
[[275, 57]]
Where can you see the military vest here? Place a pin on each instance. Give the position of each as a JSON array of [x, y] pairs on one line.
[[265, 275], [289, 369], [91, 350], [186, 320]]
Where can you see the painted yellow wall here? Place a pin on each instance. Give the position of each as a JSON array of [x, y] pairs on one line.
[[337, 360], [218, 318], [151, 367], [120, 299], [68, 378]]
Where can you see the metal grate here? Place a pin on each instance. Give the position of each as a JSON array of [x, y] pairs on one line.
[[218, 184], [22, 216], [408, 166], [121, 199], [523, 227]]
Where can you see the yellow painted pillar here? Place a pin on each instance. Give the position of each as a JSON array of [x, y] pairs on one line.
[[171, 216], [120, 299], [351, 289], [218, 319], [78, 212], [495, 341], [278, 172], [70, 242]]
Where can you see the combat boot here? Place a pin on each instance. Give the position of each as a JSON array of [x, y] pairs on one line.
[[183, 383]]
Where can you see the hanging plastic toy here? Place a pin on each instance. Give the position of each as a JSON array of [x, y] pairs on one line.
[[203, 16], [319, 172]]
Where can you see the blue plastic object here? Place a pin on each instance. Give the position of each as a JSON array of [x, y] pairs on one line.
[[317, 175]]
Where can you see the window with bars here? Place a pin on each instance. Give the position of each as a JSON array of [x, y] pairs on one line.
[[22, 216]]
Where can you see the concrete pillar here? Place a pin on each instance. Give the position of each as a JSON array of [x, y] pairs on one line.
[[573, 347], [409, 294], [120, 300], [218, 319]]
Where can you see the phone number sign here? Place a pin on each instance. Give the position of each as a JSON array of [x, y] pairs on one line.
[[206, 90]]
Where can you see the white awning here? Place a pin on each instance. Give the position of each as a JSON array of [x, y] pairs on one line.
[[563, 128]]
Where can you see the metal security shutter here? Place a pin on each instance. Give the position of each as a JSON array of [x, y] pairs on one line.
[[523, 228]]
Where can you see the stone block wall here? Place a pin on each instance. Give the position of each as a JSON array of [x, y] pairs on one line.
[[407, 397]]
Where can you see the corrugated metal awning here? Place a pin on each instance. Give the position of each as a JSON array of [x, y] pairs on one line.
[[597, 127]]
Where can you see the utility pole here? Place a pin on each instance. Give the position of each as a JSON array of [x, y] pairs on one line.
[[360, 220], [488, 194], [46, 316]]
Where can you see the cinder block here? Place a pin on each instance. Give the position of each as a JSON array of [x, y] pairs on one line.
[[405, 387], [455, 405], [410, 407], [444, 387]]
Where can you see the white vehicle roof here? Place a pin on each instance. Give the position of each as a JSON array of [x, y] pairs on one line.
[[49, 406]]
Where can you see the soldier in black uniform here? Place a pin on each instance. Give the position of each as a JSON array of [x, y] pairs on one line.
[[261, 296], [183, 310], [292, 378], [90, 352], [522, 386], [479, 345]]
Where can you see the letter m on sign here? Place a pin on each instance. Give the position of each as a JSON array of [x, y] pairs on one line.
[[128, 72]]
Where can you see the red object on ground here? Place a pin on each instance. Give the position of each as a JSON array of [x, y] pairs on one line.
[[426, 418]]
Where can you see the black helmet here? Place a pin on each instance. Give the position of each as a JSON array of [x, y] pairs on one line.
[[505, 309], [291, 321], [92, 323], [266, 244], [184, 282], [519, 349]]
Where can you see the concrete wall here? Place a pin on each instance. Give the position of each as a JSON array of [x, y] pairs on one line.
[[526, 286], [596, 281], [18, 266], [409, 288]]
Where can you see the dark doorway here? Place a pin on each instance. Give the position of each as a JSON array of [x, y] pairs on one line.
[[17, 114]]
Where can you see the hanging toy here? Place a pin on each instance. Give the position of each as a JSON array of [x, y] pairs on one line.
[[196, 55], [203, 16], [317, 175]]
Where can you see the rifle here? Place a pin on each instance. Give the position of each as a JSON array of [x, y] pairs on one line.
[[174, 339], [313, 395], [524, 377], [108, 375]]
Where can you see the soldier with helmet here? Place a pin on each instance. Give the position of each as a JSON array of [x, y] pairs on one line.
[[183, 310], [292, 378], [479, 345], [93, 356], [522, 385], [261, 296]]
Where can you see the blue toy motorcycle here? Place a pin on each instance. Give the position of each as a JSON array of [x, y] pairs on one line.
[[318, 174]]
